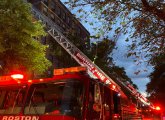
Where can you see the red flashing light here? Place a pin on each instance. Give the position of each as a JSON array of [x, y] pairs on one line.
[[113, 87], [157, 108], [17, 76], [41, 80], [116, 116], [118, 94], [18, 82], [30, 81]]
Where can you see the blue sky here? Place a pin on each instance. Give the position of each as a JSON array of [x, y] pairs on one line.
[[120, 58]]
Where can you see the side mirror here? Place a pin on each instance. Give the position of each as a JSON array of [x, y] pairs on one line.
[[96, 107]]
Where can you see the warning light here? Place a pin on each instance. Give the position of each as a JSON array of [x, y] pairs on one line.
[[41, 80], [157, 108], [116, 116], [17, 76], [118, 94], [19, 82], [113, 87], [29, 81], [68, 70]]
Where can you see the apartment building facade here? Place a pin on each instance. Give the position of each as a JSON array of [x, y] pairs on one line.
[[66, 22]]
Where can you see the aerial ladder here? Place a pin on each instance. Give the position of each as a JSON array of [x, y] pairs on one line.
[[93, 70]]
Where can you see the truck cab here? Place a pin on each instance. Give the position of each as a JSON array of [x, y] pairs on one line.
[[69, 95]]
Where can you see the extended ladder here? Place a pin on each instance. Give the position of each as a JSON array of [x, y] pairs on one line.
[[93, 70]]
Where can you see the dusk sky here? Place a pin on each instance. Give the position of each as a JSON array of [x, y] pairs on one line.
[[130, 66]]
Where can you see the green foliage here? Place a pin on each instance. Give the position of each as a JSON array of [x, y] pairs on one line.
[[18, 49], [143, 21]]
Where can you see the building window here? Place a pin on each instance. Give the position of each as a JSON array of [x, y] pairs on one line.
[[52, 16], [58, 22], [45, 11], [43, 40], [68, 20], [73, 25], [63, 16], [63, 26], [78, 31], [45, 2], [50, 57], [58, 11], [52, 5]]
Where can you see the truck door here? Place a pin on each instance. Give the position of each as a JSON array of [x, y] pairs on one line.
[[107, 103], [95, 102], [116, 106]]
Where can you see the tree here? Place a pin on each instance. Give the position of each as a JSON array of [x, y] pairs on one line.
[[155, 87], [142, 20], [18, 48], [100, 53], [101, 56], [121, 74]]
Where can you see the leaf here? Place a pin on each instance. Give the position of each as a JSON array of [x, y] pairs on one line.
[[123, 23], [127, 40]]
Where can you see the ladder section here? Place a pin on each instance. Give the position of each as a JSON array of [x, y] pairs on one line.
[[93, 70]]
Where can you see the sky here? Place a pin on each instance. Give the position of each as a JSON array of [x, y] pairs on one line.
[[121, 60], [130, 66]]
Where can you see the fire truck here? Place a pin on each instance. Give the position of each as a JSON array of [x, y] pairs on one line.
[[81, 93], [71, 94], [92, 69]]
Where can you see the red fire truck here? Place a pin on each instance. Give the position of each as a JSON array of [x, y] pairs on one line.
[[69, 95]]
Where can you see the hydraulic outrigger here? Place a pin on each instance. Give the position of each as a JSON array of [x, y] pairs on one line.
[[93, 70]]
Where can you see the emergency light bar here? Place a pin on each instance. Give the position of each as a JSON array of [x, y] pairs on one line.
[[14, 76], [69, 70], [17, 76]]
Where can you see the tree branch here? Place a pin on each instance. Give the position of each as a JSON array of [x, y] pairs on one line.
[[153, 10]]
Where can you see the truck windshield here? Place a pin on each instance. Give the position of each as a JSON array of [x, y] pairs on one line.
[[64, 97], [11, 99]]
